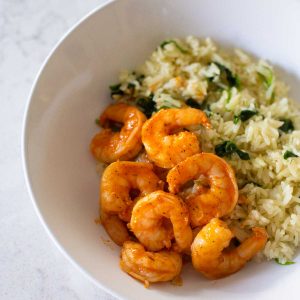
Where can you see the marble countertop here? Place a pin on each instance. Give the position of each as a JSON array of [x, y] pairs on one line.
[[31, 265]]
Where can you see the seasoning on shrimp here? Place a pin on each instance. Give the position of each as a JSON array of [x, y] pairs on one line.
[[115, 228], [158, 218], [165, 144], [160, 172], [122, 183], [215, 193], [149, 266], [209, 254], [108, 145]]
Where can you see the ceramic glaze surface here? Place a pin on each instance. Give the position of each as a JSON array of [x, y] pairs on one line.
[[72, 90]]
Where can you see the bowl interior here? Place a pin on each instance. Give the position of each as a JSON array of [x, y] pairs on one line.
[[72, 90]]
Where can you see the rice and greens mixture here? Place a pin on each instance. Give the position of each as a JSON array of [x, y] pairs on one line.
[[255, 127]]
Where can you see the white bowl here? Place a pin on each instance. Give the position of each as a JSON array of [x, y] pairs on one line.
[[72, 89]]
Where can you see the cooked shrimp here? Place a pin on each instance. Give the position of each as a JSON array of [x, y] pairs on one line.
[[149, 266], [122, 182], [215, 193], [108, 146], [160, 172], [115, 227], [209, 256], [158, 218], [165, 145]]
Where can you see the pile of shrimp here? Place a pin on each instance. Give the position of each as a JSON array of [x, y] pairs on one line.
[[161, 198]]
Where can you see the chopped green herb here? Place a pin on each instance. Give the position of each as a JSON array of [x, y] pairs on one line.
[[229, 78], [284, 264], [266, 75], [140, 78], [193, 103], [97, 121], [227, 148], [244, 115], [287, 154], [131, 85], [247, 114], [242, 154], [147, 105], [237, 81], [229, 95], [236, 119], [287, 126], [164, 43], [115, 89]]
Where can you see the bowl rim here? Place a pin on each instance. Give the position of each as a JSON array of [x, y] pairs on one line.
[[24, 149], [24, 152]]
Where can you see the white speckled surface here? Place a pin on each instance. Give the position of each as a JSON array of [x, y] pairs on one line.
[[31, 267]]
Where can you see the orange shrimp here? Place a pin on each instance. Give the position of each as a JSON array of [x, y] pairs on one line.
[[122, 184], [157, 218], [149, 266], [108, 146], [209, 256], [165, 144], [215, 193], [115, 228]]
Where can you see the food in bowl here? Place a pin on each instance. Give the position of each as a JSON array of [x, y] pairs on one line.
[[202, 146]]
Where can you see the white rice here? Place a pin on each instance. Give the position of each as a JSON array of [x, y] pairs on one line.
[[268, 182]]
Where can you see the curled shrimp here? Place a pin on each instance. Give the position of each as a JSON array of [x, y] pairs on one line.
[[158, 218], [108, 146], [213, 193], [115, 228], [149, 266], [209, 256], [160, 172], [165, 144], [123, 182]]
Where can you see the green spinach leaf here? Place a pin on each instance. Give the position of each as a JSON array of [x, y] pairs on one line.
[[115, 89], [164, 43], [147, 105], [284, 264], [287, 126], [287, 154], [227, 148]]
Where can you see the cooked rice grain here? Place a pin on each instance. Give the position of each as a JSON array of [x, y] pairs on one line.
[[193, 68]]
